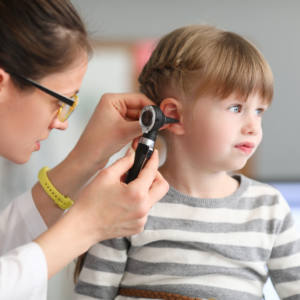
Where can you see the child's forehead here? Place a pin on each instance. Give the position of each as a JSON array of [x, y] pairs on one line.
[[237, 97]]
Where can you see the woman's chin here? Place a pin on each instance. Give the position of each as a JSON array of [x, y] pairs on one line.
[[19, 159]]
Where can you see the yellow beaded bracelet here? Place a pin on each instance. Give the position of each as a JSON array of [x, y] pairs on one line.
[[61, 201]]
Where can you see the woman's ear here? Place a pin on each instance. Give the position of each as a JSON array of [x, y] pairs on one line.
[[172, 108], [4, 79]]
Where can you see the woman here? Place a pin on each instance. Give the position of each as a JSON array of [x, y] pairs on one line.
[[44, 52]]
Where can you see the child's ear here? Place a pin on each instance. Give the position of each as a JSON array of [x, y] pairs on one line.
[[172, 108]]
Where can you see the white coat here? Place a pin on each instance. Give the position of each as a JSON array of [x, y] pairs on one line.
[[23, 267]]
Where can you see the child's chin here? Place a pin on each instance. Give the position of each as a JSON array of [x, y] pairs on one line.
[[236, 166]]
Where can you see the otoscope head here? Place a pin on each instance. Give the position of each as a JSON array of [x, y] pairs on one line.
[[152, 119]]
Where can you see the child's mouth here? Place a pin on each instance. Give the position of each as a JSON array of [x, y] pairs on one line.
[[245, 147]]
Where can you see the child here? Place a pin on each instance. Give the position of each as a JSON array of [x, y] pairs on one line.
[[213, 235]]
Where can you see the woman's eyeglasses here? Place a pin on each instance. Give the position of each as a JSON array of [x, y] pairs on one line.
[[68, 105]]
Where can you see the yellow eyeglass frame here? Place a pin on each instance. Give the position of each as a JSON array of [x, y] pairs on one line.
[[66, 101], [72, 108]]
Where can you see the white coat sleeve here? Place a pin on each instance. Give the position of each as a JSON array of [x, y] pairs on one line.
[[23, 274], [20, 223], [23, 270]]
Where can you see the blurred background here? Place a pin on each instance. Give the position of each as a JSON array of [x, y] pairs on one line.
[[125, 32]]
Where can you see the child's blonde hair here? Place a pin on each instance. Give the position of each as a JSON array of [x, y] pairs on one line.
[[221, 62]]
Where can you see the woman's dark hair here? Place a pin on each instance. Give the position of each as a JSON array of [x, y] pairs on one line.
[[40, 37]]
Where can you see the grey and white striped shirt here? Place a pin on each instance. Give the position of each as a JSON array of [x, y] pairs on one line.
[[204, 248]]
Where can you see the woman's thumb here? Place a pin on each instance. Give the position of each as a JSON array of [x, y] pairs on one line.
[[123, 164], [133, 129]]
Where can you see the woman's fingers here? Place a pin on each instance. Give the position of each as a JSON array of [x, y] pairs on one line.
[[136, 101], [115, 209], [133, 114], [135, 142], [159, 188], [121, 166], [152, 181], [148, 173]]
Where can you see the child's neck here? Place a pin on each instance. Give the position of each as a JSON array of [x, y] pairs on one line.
[[191, 180]]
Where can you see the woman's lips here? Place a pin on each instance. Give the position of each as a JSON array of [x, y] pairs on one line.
[[38, 145], [245, 147]]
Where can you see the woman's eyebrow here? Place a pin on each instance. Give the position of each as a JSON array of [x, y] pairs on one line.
[[71, 94]]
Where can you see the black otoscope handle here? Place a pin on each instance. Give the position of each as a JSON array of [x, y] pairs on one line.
[[142, 155]]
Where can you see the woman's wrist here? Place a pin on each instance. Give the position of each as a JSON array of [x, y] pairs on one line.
[[71, 175], [68, 178]]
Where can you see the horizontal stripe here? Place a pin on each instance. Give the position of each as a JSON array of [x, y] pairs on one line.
[[95, 291], [288, 289], [260, 226], [99, 264], [290, 235], [217, 281], [251, 239], [198, 291], [285, 275], [100, 278], [99, 250], [184, 270], [284, 262], [118, 244], [239, 253], [157, 255], [295, 297], [82, 297], [223, 215], [245, 203], [286, 250], [259, 190]]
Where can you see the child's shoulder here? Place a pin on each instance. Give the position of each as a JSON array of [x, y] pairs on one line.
[[263, 193]]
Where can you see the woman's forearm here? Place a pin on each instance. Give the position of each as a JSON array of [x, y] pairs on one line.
[[63, 242]]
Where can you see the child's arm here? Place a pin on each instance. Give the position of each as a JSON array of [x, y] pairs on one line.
[[284, 263], [103, 270]]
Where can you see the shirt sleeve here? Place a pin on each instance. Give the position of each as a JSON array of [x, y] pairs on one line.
[[284, 263], [23, 274], [103, 269], [20, 223]]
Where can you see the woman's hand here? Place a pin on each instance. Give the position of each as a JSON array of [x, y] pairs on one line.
[[112, 126], [116, 209], [106, 208]]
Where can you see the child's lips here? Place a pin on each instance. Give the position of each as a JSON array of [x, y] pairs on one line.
[[245, 147]]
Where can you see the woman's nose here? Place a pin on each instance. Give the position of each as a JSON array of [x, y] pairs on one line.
[[57, 124]]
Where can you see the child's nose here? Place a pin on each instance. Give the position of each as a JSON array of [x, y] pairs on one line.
[[251, 127]]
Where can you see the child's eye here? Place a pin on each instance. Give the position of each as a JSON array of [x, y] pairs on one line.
[[259, 111], [235, 109]]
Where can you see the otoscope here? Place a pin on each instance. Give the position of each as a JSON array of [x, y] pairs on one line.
[[151, 120]]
